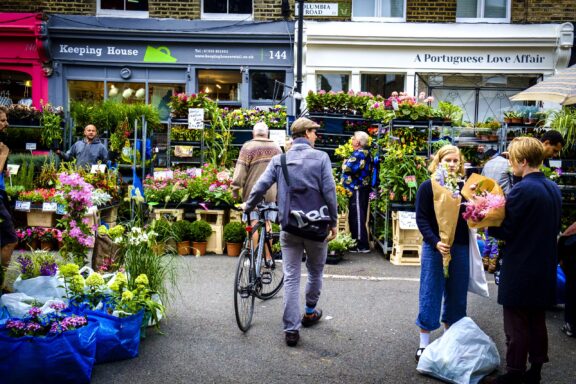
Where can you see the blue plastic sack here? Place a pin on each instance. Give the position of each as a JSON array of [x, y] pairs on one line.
[[4, 315], [64, 358], [117, 338], [560, 286]]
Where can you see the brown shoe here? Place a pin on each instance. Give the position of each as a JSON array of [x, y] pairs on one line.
[[313, 318], [292, 338]]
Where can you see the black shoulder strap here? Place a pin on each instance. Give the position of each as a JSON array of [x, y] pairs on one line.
[[285, 169]]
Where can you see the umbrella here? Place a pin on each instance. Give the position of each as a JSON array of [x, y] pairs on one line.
[[560, 88]]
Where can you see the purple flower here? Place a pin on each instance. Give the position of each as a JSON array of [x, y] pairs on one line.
[[15, 324], [58, 306], [48, 269], [26, 265], [34, 311]]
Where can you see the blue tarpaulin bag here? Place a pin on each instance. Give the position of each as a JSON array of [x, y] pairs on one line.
[[560, 286], [64, 358], [118, 338]]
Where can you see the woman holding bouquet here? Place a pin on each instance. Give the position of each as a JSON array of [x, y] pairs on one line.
[[444, 271]]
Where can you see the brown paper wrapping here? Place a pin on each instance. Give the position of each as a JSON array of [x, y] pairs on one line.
[[494, 217], [447, 209]]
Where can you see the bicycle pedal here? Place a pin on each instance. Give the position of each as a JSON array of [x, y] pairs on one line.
[[266, 278]]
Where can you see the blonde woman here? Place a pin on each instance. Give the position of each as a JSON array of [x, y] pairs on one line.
[[436, 291]]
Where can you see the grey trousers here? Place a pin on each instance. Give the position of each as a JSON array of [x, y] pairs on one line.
[[292, 251]]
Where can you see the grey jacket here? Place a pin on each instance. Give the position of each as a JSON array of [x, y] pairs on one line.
[[307, 167], [87, 154]]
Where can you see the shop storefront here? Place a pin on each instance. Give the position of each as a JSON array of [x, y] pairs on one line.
[[238, 64], [23, 59], [470, 65]]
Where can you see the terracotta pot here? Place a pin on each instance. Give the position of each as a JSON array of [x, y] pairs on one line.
[[183, 247], [199, 248], [517, 120], [46, 245], [160, 249], [233, 249], [507, 120]]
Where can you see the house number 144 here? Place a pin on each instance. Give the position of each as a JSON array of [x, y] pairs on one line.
[[277, 55]]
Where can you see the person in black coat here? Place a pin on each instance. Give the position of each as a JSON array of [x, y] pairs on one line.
[[528, 275], [567, 259]]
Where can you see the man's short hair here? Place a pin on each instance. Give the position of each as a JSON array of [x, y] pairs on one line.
[[260, 129], [526, 148], [553, 137], [362, 138], [4, 109]]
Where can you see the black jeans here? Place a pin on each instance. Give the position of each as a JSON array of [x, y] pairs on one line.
[[357, 211]]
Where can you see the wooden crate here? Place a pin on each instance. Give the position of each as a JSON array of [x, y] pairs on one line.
[[215, 218], [175, 214], [234, 215], [109, 216], [407, 244], [37, 218], [343, 226]]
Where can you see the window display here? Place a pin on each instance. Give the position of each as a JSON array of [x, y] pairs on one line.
[[382, 83], [220, 85], [332, 82], [15, 87], [79, 90], [263, 85]]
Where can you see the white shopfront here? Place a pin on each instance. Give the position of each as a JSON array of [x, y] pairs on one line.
[[477, 66]]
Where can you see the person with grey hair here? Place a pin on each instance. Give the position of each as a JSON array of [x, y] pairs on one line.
[[252, 161], [356, 177]]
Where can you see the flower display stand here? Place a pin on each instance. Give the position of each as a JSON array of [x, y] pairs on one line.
[[38, 218], [234, 215], [168, 214], [407, 242], [215, 218], [109, 216], [343, 226]]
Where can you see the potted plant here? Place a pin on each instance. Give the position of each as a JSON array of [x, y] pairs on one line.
[[200, 231], [164, 234], [51, 121], [337, 247], [182, 235], [234, 235]]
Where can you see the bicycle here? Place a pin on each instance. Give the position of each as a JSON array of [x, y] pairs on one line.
[[255, 276]]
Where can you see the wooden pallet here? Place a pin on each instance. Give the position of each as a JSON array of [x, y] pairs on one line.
[[407, 244], [174, 214], [215, 218]]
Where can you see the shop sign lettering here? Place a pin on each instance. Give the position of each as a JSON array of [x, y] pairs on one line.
[[319, 9], [480, 59], [88, 50]]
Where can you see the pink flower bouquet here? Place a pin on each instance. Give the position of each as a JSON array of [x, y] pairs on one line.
[[485, 206]]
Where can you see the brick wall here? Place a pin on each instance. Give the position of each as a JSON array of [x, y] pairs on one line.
[[543, 11], [23, 6], [439, 11], [71, 7], [174, 9]]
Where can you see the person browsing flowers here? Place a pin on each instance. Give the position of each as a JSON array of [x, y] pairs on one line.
[[444, 272]]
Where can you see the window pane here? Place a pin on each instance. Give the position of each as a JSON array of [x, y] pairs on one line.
[[85, 91], [112, 4], [263, 85], [15, 87], [332, 82], [392, 8], [127, 93], [495, 9], [136, 5], [220, 85], [240, 6], [364, 8], [159, 96], [467, 8], [215, 6], [382, 84]]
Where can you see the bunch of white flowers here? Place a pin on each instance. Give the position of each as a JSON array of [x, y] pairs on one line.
[[138, 236], [99, 197]]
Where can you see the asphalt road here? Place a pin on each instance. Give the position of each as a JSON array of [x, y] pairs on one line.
[[367, 334]]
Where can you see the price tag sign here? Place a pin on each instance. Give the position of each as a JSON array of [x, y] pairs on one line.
[[98, 168], [13, 169], [555, 163], [60, 210], [163, 175], [279, 136], [407, 220], [22, 206], [30, 146], [411, 181], [49, 207], [195, 118]]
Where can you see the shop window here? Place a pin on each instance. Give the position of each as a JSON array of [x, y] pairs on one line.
[[87, 91], [332, 82], [220, 85], [390, 10], [267, 85], [226, 9], [127, 93], [497, 11], [382, 83], [159, 95], [124, 8], [15, 88]]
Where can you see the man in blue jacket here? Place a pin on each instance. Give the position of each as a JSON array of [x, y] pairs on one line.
[[88, 151], [528, 275], [309, 169]]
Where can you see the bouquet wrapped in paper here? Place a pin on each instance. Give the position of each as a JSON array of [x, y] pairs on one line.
[[447, 201], [485, 206]]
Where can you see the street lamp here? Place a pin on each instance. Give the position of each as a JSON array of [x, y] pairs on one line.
[[299, 54]]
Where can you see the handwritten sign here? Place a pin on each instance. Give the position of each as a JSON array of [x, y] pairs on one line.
[[13, 169], [98, 168], [555, 163], [195, 118], [407, 220], [279, 136], [30, 146], [163, 175], [49, 207], [60, 209], [23, 206], [411, 181]]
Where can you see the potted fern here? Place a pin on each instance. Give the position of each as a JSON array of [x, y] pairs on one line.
[[182, 234], [234, 235], [200, 231]]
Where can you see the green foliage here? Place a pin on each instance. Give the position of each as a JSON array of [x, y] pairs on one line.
[[341, 243], [449, 111], [565, 122], [51, 127], [182, 230], [234, 232], [200, 230], [164, 230]]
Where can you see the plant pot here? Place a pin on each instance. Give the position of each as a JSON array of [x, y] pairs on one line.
[[507, 120], [199, 248], [46, 245], [233, 249], [34, 244], [333, 257], [517, 120], [183, 247], [493, 137], [160, 249]]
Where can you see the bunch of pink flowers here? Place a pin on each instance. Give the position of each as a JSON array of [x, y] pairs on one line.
[[477, 209]]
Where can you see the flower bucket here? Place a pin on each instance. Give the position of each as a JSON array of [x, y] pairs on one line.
[[199, 249], [233, 249], [64, 358], [46, 245], [36, 218], [183, 248]]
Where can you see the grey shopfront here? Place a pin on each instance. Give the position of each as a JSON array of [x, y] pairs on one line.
[[241, 64]]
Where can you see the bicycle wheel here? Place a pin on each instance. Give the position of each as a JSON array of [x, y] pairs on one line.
[[271, 276], [243, 291]]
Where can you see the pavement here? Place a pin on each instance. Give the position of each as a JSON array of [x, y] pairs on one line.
[[367, 334]]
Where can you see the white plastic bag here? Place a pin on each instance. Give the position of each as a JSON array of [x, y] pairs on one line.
[[477, 283], [464, 354], [18, 304], [41, 287]]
